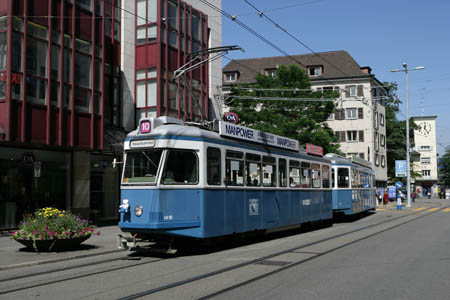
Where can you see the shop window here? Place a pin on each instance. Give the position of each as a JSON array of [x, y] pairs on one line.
[[2, 50]]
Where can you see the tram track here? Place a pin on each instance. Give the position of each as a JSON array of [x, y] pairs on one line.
[[71, 268], [303, 253]]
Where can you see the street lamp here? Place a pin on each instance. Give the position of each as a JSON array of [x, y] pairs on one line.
[[408, 175]]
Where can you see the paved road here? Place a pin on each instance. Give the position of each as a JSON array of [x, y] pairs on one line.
[[388, 255]]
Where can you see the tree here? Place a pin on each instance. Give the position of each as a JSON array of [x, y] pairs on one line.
[[445, 167], [396, 132], [300, 120]]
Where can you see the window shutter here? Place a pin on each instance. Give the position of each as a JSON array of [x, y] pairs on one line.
[[360, 90], [347, 91], [361, 155], [361, 135], [360, 113], [342, 136]]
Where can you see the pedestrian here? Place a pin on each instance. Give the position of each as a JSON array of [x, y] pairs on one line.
[[429, 194], [386, 198], [413, 196]]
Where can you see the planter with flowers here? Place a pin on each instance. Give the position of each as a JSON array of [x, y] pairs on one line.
[[51, 229]]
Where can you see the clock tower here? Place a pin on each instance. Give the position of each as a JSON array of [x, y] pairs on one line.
[[426, 165]]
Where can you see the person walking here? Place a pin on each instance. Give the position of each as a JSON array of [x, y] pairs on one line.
[[413, 196], [386, 198]]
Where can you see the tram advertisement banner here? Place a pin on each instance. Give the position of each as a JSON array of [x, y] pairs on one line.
[[256, 136]]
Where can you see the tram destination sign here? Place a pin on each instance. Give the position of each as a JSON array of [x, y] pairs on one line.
[[252, 135]]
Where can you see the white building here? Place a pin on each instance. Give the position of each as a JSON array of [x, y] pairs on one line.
[[425, 145], [359, 121]]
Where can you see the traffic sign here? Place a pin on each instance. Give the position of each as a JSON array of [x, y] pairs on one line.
[[398, 184], [400, 168]]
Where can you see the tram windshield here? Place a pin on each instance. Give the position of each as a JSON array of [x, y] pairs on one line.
[[141, 166]]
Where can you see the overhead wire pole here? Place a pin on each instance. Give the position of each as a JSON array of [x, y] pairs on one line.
[[197, 59], [408, 175]]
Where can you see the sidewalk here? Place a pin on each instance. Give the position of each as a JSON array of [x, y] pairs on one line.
[[420, 202], [14, 255]]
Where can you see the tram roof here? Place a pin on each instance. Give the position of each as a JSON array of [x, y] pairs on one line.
[[197, 132]]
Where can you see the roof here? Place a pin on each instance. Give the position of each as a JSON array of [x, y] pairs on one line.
[[336, 64]]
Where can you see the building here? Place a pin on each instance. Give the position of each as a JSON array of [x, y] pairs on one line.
[[75, 77], [427, 164], [359, 120]]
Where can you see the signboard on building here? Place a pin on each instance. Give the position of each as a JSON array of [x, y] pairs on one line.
[[314, 150], [400, 168], [256, 136]]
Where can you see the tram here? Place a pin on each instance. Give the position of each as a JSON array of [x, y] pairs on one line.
[[352, 184], [185, 180]]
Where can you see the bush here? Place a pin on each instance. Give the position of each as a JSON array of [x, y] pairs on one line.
[[51, 223]]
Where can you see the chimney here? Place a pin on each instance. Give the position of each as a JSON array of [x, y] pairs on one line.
[[366, 70]]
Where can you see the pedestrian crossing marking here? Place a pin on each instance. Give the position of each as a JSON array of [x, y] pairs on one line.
[[419, 208], [446, 210], [434, 209]]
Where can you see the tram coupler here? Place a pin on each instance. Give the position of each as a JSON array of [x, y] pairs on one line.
[[126, 241]]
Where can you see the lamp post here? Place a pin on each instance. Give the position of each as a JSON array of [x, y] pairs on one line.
[[408, 174]]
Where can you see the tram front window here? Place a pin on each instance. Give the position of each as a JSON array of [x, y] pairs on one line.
[[141, 166], [343, 178], [181, 168]]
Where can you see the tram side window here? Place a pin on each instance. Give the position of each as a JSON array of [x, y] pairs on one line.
[[306, 175], [181, 167], [364, 180], [269, 171], [282, 172], [316, 175], [253, 169], [325, 177], [234, 166], [343, 178], [355, 179], [333, 180], [213, 169], [294, 173]]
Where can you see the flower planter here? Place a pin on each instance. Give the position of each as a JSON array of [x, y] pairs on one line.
[[53, 244]]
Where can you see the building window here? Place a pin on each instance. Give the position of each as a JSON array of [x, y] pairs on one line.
[[377, 141], [330, 117], [361, 155], [383, 161], [382, 140], [350, 113], [377, 159], [3, 50], [361, 135], [271, 72], [146, 21], [375, 120], [425, 148], [352, 136], [314, 71], [354, 91], [340, 114], [426, 173], [230, 77], [381, 119], [425, 160]]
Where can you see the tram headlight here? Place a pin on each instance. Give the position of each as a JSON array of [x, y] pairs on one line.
[[138, 210]]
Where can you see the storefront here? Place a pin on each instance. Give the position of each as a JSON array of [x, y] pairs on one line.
[[30, 179]]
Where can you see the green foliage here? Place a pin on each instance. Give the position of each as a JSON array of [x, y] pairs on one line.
[[445, 167], [300, 120], [51, 223], [396, 132]]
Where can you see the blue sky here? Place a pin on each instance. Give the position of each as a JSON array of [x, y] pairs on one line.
[[381, 34]]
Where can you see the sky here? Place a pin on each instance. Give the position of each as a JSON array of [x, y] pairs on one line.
[[381, 34]]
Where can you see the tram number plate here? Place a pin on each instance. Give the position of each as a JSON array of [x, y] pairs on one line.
[[253, 207], [306, 202]]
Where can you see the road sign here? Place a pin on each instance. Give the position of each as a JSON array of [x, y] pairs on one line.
[[398, 184], [400, 168]]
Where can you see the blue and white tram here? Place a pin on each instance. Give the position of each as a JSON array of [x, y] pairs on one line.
[[188, 181], [353, 185]]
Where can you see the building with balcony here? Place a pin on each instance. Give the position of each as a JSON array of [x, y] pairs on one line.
[[427, 164], [359, 121]]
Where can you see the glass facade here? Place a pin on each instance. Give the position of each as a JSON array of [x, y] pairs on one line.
[[172, 30]]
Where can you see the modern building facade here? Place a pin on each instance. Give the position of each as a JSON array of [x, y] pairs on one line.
[[359, 120], [427, 164], [75, 77]]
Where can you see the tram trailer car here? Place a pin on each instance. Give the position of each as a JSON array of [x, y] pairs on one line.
[[353, 184], [183, 181]]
